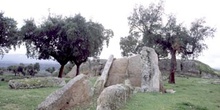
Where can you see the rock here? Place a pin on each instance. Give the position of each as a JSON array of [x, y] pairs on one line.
[[43, 74], [90, 67], [101, 81], [76, 91], [118, 72], [137, 89], [134, 70], [128, 83], [113, 97], [35, 83], [151, 76], [170, 91]]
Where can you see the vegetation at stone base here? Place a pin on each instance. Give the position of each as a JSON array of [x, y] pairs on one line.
[[147, 28], [26, 99], [191, 94]]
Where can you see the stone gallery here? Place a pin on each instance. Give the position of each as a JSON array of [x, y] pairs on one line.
[[118, 80]]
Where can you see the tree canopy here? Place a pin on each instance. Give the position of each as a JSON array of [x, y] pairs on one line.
[[147, 28], [65, 39], [8, 34]]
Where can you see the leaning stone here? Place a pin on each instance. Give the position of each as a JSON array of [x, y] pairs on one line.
[[118, 72], [101, 81], [76, 91], [113, 97]]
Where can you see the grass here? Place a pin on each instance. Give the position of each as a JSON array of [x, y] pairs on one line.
[[22, 99], [28, 99], [191, 94]]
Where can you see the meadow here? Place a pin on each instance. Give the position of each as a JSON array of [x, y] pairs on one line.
[[191, 94]]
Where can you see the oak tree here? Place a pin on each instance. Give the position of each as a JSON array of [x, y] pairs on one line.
[[147, 28]]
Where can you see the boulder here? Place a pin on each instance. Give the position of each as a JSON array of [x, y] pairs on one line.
[[101, 81], [90, 67], [113, 97], [36, 82], [151, 76], [118, 72], [76, 91]]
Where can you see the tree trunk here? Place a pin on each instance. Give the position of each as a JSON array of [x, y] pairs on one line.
[[77, 69], [61, 71], [172, 67]]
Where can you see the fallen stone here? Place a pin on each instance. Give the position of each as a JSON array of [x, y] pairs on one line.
[[76, 91], [35, 83]]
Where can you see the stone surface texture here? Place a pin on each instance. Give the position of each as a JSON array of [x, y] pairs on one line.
[[113, 97], [118, 72], [75, 92], [90, 67], [151, 76], [101, 81], [32, 83]]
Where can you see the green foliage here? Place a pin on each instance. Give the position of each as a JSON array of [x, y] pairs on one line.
[[8, 34], [37, 66], [147, 29], [191, 94], [65, 39]]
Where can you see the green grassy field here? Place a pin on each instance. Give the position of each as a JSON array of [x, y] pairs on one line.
[[23, 99], [191, 94]]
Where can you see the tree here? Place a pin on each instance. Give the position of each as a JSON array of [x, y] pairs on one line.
[[147, 29], [8, 34], [64, 39], [37, 67]]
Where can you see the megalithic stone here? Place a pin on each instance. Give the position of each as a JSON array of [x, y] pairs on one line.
[[100, 82], [151, 75]]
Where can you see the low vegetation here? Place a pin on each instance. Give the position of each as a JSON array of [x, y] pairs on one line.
[[191, 94]]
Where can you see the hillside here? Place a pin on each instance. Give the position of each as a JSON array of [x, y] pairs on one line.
[[189, 68]]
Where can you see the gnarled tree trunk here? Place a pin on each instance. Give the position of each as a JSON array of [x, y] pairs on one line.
[[61, 71], [172, 67], [77, 69]]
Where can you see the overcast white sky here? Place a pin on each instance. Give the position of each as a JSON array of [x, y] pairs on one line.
[[113, 15]]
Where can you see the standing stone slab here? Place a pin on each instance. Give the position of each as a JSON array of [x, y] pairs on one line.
[[134, 70], [118, 72], [151, 76], [100, 82], [76, 91]]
